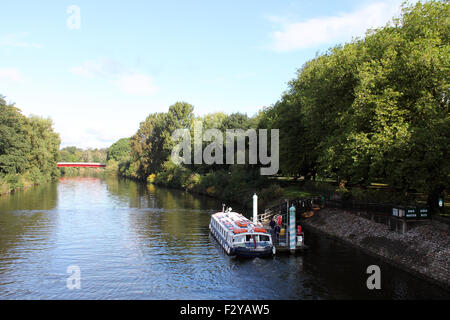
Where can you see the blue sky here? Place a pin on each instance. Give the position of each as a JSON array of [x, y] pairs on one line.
[[131, 58]]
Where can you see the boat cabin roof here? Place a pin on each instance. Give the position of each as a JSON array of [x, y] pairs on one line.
[[238, 224]]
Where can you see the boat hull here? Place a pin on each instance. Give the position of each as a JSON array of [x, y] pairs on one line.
[[253, 253]]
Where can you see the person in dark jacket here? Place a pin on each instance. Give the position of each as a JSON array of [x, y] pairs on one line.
[[277, 232], [272, 224]]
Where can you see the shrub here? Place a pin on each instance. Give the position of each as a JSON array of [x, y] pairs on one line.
[[271, 193], [112, 167], [14, 181], [4, 187], [151, 178]]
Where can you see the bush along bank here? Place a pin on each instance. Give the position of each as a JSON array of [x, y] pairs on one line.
[[236, 185], [423, 250], [13, 182]]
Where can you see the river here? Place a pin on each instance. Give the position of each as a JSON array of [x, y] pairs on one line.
[[133, 241]]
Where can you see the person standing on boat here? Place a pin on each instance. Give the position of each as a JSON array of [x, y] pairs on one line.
[[272, 224]]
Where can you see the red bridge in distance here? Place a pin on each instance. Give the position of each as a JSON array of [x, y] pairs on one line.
[[80, 165]]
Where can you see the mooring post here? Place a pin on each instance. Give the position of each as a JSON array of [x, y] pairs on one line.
[[286, 229], [292, 235], [255, 209]]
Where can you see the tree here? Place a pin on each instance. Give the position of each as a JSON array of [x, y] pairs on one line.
[[152, 145], [296, 150], [377, 108], [29, 148], [44, 153], [119, 151], [236, 120], [15, 145]]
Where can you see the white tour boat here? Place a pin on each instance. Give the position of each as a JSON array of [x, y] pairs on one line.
[[239, 236]]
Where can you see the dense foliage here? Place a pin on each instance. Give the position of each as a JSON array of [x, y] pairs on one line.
[[146, 156], [119, 151], [29, 149], [376, 109], [74, 154], [373, 110]]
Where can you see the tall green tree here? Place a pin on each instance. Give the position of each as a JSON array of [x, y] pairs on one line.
[[120, 150], [44, 153], [15, 147], [152, 145], [377, 108], [29, 148]]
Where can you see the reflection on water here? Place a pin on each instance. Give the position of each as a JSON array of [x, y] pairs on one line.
[[133, 241]]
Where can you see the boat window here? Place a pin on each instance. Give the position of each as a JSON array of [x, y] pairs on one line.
[[248, 238], [263, 238]]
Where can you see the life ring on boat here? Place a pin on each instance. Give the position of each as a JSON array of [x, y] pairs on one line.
[[242, 224]]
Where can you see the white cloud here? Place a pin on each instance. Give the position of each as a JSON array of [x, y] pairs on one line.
[[11, 75], [136, 84], [126, 80], [333, 29], [17, 40], [98, 68], [84, 136]]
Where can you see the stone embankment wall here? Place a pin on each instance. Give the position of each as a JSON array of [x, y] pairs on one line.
[[423, 250]]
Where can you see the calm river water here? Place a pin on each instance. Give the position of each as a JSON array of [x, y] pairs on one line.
[[132, 241]]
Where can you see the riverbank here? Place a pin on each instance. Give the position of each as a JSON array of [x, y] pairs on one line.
[[17, 183], [423, 250]]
